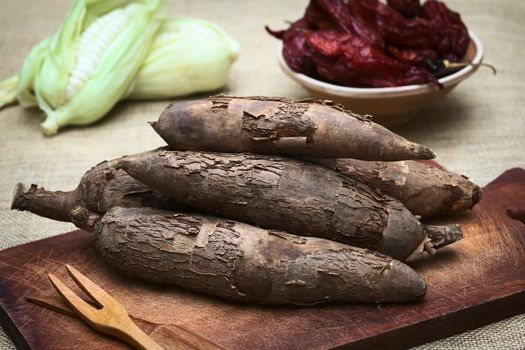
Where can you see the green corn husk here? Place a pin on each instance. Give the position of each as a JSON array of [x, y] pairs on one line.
[[183, 56], [33, 62], [20, 87], [119, 63], [8, 91], [53, 74], [188, 55]]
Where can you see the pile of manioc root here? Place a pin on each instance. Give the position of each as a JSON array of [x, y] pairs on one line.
[[267, 200]]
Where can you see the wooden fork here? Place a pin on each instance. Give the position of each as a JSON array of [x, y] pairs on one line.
[[111, 319]]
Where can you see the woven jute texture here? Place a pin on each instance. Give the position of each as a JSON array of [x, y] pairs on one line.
[[478, 130]]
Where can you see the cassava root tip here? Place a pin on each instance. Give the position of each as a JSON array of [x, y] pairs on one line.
[[153, 125], [50, 204], [83, 218], [427, 153], [476, 195], [421, 151], [19, 200], [441, 236]]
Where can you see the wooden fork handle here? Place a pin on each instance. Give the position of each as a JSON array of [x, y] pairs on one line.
[[134, 336]]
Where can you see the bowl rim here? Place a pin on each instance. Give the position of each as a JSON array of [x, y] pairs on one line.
[[404, 90]]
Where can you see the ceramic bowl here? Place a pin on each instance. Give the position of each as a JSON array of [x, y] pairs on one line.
[[390, 106]]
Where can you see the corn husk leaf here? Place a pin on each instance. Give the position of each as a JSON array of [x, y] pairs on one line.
[[8, 91], [119, 65], [188, 55], [25, 90]]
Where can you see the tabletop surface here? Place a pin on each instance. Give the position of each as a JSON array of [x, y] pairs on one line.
[[478, 130]]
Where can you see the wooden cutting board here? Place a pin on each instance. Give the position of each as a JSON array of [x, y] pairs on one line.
[[472, 283]]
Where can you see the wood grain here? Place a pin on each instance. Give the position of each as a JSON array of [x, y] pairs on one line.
[[474, 282]]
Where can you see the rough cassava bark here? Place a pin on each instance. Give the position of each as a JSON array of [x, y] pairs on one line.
[[280, 126], [241, 262], [101, 188], [422, 188], [286, 194]]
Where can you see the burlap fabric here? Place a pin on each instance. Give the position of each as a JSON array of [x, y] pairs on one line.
[[478, 130]]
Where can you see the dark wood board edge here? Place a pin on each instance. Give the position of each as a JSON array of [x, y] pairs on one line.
[[458, 322], [12, 331], [7, 323]]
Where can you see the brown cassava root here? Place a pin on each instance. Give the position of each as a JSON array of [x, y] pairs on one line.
[[286, 194], [101, 188], [282, 126], [315, 222], [241, 262], [424, 189]]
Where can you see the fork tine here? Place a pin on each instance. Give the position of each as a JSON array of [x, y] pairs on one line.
[[73, 300], [90, 288], [56, 304]]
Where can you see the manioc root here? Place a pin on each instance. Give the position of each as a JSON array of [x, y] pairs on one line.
[[241, 262], [50, 204], [279, 193], [282, 126], [423, 189], [101, 188]]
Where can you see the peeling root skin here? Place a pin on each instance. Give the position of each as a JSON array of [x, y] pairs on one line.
[[284, 194], [267, 191], [424, 189], [277, 125], [245, 263], [441, 236], [83, 218]]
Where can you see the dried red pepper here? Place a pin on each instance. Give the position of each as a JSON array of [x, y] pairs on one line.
[[295, 52], [408, 8], [369, 43], [337, 13], [438, 29], [412, 56], [347, 59], [453, 39]]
